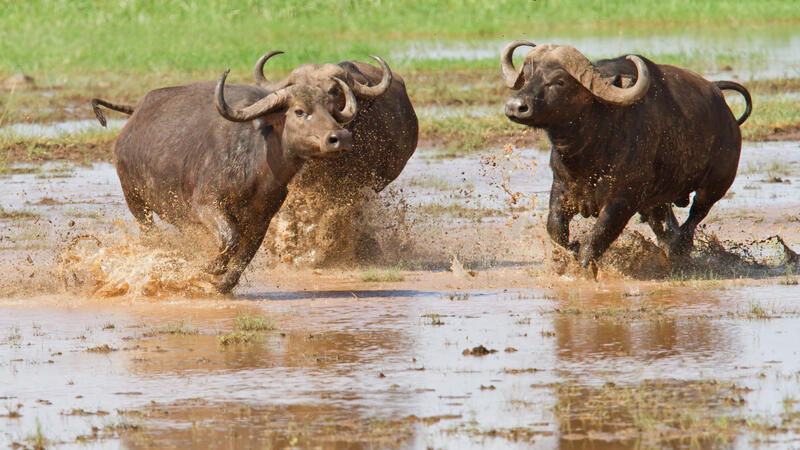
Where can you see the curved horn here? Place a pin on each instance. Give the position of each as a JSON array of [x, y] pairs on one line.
[[265, 105], [362, 90], [261, 80], [603, 88], [512, 77], [350, 109]]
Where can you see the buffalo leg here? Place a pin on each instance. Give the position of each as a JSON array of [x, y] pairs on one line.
[[140, 211], [559, 217], [248, 247], [610, 223], [671, 221], [683, 242], [225, 232], [663, 223]]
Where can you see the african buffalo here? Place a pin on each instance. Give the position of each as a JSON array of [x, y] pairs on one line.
[[628, 136], [325, 197], [227, 168]]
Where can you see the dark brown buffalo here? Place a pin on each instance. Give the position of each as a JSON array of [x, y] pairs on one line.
[[224, 168], [628, 136], [324, 198]]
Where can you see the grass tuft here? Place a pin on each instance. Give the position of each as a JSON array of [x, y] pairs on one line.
[[247, 329], [236, 338], [381, 276], [251, 322]]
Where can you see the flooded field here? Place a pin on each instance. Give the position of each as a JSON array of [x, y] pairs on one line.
[[744, 52], [435, 314], [464, 334]]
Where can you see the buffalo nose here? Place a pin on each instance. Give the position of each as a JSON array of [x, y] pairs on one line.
[[338, 141], [517, 108]]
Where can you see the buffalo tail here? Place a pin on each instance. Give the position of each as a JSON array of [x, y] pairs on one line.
[[733, 86], [97, 103]]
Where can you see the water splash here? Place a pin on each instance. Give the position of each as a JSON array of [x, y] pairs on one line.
[[128, 267]]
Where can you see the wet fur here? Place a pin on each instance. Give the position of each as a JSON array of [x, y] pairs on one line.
[[178, 158], [613, 161]]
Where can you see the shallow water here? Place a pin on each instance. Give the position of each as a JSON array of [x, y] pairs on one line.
[[361, 364], [374, 354], [757, 53], [58, 129]]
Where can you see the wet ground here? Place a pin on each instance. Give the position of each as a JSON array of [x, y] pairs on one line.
[[499, 351], [363, 366]]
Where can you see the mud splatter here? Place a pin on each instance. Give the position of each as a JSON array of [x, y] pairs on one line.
[[128, 267]]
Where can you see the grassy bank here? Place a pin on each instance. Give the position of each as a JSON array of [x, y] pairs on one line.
[[76, 36], [445, 50]]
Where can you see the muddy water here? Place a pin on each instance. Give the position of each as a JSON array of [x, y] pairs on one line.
[[509, 355], [392, 356]]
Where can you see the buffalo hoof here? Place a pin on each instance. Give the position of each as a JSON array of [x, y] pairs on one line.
[[679, 249], [575, 248], [227, 282], [589, 271], [224, 287]]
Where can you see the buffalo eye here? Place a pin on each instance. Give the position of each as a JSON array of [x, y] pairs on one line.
[[299, 113], [560, 82]]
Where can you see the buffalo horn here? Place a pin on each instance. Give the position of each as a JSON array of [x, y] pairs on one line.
[[512, 77], [261, 80], [580, 68], [362, 90], [350, 109], [267, 104]]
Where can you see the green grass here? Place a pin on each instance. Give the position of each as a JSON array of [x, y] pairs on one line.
[[119, 50], [471, 134], [247, 328], [237, 338], [179, 328], [248, 321], [381, 276], [150, 35], [772, 115]]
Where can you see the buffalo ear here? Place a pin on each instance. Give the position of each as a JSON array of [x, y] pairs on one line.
[[259, 124], [623, 81], [267, 120]]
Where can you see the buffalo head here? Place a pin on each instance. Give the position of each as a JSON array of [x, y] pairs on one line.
[[322, 77], [556, 83], [308, 120]]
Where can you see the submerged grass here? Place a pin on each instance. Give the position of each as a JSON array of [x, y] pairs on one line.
[[644, 311], [17, 214], [682, 413], [247, 329]]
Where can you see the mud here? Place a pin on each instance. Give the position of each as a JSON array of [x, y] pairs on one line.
[[475, 333]]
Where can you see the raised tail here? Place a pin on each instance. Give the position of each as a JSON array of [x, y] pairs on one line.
[[733, 86], [97, 103]]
